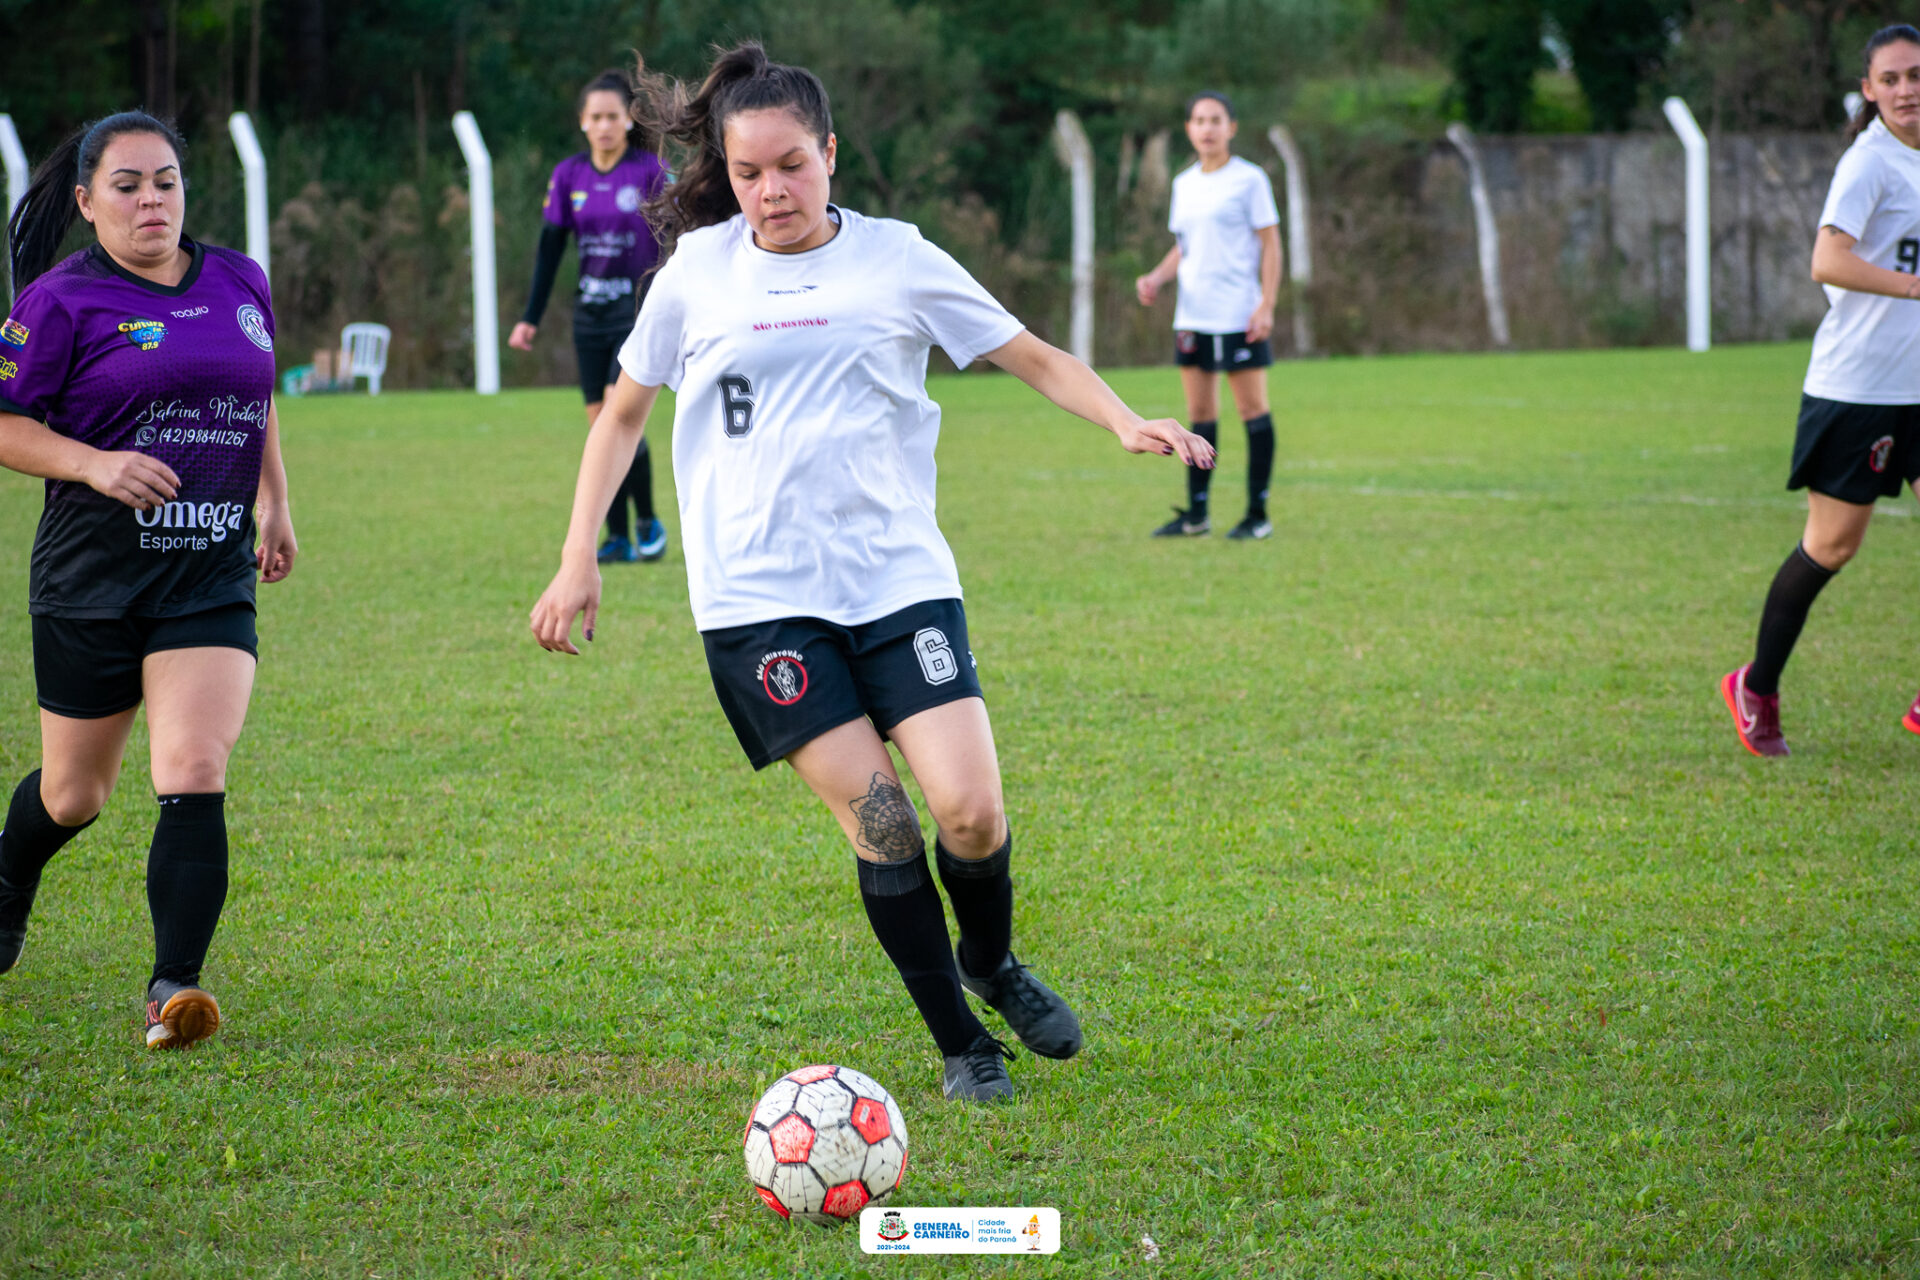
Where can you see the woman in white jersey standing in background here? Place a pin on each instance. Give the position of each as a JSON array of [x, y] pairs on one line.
[[795, 335], [1859, 433], [1226, 256]]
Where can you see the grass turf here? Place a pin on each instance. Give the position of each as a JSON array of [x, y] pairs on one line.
[[1425, 916]]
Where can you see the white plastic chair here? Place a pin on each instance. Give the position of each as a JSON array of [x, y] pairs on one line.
[[365, 346]]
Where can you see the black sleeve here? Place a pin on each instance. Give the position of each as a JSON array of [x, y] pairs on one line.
[[546, 265]]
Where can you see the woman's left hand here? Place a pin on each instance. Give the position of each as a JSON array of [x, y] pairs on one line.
[[1165, 436], [276, 547]]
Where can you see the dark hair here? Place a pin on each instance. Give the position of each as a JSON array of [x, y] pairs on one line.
[[1869, 109], [1211, 95], [741, 79], [47, 210], [612, 80]]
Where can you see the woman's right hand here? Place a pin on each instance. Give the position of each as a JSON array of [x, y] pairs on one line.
[[521, 339], [141, 482], [573, 591]]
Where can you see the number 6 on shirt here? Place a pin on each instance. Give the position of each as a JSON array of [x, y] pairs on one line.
[[736, 404]]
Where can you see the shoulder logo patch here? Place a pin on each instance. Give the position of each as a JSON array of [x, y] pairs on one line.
[[254, 325], [13, 333]]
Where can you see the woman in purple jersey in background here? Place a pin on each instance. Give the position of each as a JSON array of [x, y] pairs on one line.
[[136, 377], [597, 195]]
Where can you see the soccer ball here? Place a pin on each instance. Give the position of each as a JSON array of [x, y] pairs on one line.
[[824, 1143]]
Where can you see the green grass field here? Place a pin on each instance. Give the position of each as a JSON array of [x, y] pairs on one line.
[[1425, 916]]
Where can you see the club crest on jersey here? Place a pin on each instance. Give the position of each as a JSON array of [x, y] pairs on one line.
[[13, 333], [254, 325], [144, 334], [1878, 453], [579, 199], [627, 199], [783, 675]]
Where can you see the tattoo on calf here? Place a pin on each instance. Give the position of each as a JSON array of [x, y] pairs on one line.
[[889, 828]]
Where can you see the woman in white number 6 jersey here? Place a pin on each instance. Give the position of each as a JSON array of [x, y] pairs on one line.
[[795, 335], [1859, 433]]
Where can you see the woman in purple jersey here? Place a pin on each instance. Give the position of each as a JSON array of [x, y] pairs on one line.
[[597, 196], [136, 377]]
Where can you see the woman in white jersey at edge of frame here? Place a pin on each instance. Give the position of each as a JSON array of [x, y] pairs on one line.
[[1859, 432], [1226, 256], [795, 335]]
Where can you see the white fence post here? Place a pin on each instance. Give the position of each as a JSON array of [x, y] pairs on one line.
[[253, 162], [1299, 242], [1070, 141], [486, 299], [1699, 285], [15, 157], [1488, 233]]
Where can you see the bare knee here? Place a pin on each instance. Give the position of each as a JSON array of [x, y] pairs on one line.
[[1832, 551], [190, 770], [74, 801], [972, 826]]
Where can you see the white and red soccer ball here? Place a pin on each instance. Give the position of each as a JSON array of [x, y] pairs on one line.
[[824, 1143]]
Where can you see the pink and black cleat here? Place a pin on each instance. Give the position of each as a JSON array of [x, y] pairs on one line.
[[1756, 718], [1911, 721]]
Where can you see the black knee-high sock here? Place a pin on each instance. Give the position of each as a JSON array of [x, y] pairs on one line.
[[1259, 463], [186, 883], [981, 891], [904, 909], [31, 836], [1197, 478], [1792, 594]]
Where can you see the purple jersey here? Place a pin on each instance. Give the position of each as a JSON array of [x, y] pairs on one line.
[[603, 211], [182, 374]]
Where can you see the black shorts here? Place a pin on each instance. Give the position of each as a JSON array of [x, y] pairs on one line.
[[1855, 452], [784, 683], [89, 668], [598, 334], [1220, 352]]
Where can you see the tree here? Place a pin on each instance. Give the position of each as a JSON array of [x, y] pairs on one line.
[[1616, 45], [1493, 47]]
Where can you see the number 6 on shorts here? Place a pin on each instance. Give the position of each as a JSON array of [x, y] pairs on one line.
[[937, 662]]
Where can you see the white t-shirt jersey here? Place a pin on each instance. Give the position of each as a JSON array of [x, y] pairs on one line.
[[1215, 217], [1867, 349], [802, 435]]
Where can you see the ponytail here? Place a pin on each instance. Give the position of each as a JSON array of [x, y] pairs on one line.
[[1869, 109], [47, 210], [741, 79]]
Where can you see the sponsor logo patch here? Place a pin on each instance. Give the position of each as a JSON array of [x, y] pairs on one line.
[[7, 369], [1878, 453], [144, 334], [254, 325], [189, 313], [579, 199], [14, 334], [783, 675]]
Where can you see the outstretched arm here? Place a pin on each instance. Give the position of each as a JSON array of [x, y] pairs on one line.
[[1082, 392], [611, 444]]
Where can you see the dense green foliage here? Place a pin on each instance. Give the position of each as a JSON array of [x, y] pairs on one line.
[[1426, 917]]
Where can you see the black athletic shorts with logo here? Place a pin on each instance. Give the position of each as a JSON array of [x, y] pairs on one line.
[[786, 682], [89, 668], [1220, 352], [1855, 452], [598, 334]]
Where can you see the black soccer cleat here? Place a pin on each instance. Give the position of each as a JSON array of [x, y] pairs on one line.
[[1183, 525], [978, 1074], [15, 905], [1037, 1014], [1250, 528]]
